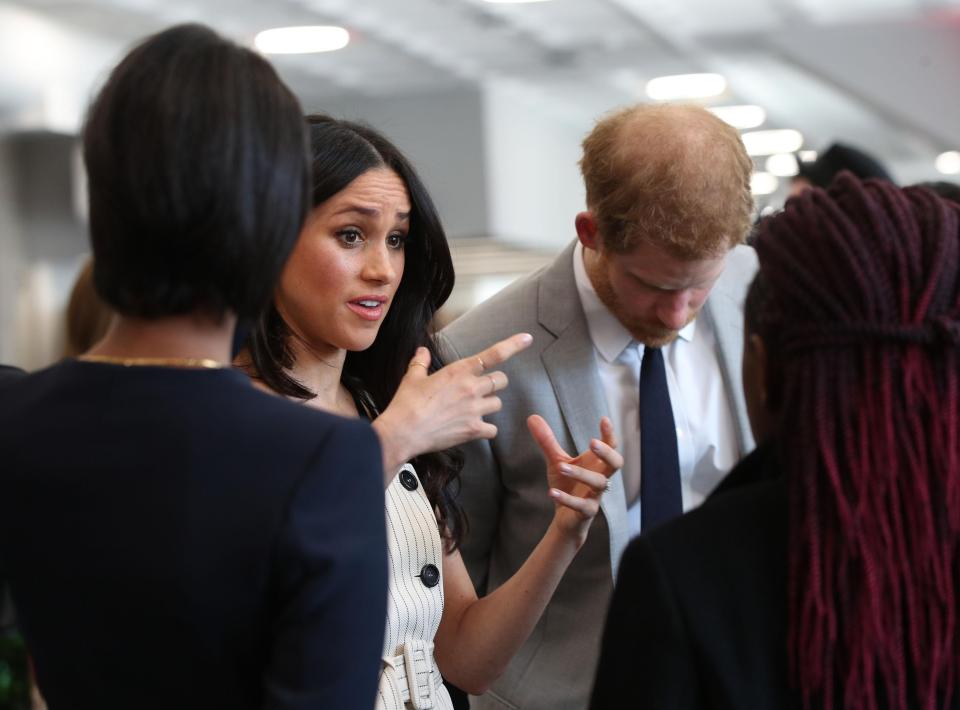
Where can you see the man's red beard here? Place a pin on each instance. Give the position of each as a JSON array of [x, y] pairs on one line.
[[650, 335]]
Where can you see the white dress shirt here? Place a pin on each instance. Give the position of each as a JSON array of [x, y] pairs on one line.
[[706, 432]]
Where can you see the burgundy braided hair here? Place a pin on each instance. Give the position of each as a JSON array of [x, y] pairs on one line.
[[865, 286]]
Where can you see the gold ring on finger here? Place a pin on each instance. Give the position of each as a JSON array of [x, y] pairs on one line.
[[493, 384], [417, 363], [482, 366]]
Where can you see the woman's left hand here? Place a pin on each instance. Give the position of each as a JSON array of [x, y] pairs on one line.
[[576, 483]]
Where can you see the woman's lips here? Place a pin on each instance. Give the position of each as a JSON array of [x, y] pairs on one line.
[[366, 312]]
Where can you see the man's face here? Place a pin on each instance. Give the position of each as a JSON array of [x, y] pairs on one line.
[[651, 292]]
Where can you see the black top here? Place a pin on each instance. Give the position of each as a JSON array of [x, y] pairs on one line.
[[177, 538], [698, 616]]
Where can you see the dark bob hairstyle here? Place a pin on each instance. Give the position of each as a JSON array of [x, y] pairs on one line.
[[342, 151], [198, 177]]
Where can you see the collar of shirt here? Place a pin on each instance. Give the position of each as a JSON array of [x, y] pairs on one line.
[[609, 336]]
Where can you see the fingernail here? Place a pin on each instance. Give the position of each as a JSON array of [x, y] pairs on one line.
[[554, 493], [526, 338], [565, 468], [595, 446]]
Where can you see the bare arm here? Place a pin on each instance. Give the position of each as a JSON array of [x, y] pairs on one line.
[[478, 637]]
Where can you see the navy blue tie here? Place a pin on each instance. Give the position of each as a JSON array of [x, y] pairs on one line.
[[660, 498]]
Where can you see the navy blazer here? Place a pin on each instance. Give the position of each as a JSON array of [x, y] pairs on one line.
[[176, 538], [8, 373]]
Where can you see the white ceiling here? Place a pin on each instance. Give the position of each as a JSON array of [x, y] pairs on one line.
[[881, 74], [491, 101]]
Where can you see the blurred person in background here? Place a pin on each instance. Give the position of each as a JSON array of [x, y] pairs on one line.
[[835, 159], [14, 674], [946, 190], [637, 319], [87, 317], [349, 333], [826, 572], [174, 537]]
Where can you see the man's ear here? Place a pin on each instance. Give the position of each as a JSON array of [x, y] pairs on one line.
[[587, 233]]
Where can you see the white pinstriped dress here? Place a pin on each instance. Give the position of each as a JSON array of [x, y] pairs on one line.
[[409, 678]]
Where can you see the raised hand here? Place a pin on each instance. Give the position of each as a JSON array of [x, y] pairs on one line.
[[432, 412], [576, 483]]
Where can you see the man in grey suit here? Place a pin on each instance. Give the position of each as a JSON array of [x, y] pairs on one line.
[[638, 319]]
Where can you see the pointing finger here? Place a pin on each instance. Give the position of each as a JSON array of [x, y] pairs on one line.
[[607, 433], [500, 352], [543, 435]]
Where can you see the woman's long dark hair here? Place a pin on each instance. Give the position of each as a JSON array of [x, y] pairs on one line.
[[342, 151], [862, 327]]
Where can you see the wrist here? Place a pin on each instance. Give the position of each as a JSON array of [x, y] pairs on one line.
[[394, 454], [567, 532]]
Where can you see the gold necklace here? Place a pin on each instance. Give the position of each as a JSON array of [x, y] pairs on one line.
[[201, 362]]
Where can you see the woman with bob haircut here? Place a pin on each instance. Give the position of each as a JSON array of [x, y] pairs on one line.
[[173, 536], [349, 332], [824, 572]]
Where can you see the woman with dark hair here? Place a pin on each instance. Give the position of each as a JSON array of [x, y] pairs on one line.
[[87, 317], [946, 190], [168, 530], [348, 332], [826, 571]]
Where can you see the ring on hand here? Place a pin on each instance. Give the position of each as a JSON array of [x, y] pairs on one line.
[[606, 488], [482, 366], [493, 385], [417, 363]]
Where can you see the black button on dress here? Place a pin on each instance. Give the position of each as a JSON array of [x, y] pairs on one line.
[[429, 575]]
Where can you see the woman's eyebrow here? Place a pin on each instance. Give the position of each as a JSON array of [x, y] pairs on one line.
[[368, 211]]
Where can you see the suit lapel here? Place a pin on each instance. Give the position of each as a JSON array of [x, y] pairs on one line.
[[724, 309], [570, 364]]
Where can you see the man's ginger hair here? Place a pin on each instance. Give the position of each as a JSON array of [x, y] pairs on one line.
[[674, 176]]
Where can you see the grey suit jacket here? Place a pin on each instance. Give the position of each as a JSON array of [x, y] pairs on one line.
[[504, 486]]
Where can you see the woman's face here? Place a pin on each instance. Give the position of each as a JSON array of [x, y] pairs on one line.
[[344, 271]]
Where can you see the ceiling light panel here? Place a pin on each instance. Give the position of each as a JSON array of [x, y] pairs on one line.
[[948, 163], [302, 40], [741, 117], [763, 183], [784, 140], [681, 87], [782, 165]]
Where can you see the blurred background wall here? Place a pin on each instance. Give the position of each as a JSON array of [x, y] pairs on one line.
[[489, 99]]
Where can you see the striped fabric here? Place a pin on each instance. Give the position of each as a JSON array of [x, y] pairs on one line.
[[409, 678]]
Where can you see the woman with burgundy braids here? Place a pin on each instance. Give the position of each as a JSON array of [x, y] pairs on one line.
[[825, 572]]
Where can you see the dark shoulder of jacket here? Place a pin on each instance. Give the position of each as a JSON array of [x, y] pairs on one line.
[[761, 464], [8, 373]]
